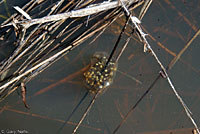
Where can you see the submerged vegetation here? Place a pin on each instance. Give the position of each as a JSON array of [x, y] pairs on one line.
[[41, 39]]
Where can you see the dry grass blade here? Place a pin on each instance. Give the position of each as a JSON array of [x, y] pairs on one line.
[[40, 43], [42, 39], [147, 47]]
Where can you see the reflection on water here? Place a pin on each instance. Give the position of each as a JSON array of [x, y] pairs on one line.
[[54, 93]]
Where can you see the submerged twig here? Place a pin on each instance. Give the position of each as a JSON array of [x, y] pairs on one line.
[[37, 49], [86, 112], [148, 47], [23, 93], [183, 50]]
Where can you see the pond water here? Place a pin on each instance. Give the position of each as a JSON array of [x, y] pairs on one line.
[[54, 93]]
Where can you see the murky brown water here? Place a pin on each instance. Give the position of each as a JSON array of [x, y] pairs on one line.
[[54, 93]]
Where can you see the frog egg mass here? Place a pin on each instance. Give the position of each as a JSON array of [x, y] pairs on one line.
[[98, 77]]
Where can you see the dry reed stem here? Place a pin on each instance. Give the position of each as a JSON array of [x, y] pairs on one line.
[[148, 47], [92, 9]]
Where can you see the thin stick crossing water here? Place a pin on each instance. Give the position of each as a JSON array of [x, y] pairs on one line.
[[86, 111], [98, 91], [33, 70], [117, 42], [136, 104], [148, 47], [74, 110]]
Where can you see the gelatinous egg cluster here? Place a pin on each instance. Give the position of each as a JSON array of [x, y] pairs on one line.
[[98, 77]]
